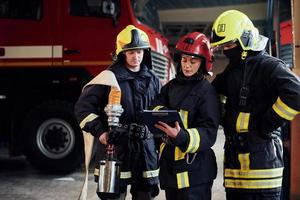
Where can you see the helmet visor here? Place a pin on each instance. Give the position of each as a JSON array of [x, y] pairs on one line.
[[226, 45]]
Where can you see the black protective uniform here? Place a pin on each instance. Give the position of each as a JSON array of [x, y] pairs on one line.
[[138, 153], [262, 94], [188, 161]]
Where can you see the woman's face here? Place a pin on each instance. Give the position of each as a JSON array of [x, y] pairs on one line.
[[190, 65], [134, 59]]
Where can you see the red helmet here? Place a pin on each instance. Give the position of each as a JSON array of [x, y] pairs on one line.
[[196, 44]]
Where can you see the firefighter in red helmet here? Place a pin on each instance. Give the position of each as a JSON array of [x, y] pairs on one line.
[[187, 162]]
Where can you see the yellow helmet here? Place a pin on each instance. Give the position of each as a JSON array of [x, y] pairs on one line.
[[131, 38], [235, 26]]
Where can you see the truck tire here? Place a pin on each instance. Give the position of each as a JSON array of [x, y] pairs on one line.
[[54, 142]]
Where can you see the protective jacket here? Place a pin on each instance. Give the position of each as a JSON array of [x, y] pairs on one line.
[[188, 160], [138, 154], [262, 94]]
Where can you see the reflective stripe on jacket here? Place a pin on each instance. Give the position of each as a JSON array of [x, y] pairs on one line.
[[138, 157], [271, 97], [188, 160]]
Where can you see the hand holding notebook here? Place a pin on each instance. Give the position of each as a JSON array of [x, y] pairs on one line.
[[150, 118]]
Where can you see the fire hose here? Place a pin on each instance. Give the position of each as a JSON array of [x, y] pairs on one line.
[[109, 168]]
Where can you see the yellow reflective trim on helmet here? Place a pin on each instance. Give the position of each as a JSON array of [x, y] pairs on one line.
[[244, 160], [194, 140], [253, 184], [182, 180], [224, 45], [253, 173], [178, 154], [125, 37], [242, 122], [284, 110], [229, 26], [234, 25]]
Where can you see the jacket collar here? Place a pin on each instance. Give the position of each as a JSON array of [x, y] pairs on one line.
[[122, 73]]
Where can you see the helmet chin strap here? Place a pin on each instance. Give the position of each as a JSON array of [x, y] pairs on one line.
[[244, 55]]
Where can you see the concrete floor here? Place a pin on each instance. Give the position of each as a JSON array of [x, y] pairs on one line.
[[19, 180]]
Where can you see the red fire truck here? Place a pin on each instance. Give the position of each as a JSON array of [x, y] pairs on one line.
[[48, 50]]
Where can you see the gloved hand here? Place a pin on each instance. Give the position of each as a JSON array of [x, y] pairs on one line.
[[115, 134], [139, 132], [154, 191]]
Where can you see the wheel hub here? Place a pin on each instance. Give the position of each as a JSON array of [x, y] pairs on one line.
[[55, 138]]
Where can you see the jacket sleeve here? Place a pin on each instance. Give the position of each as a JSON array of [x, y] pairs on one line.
[[202, 135], [287, 105], [89, 109]]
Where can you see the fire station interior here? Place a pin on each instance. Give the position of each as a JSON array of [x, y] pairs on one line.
[[279, 20], [276, 19]]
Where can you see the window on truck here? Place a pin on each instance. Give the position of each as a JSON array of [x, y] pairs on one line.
[[146, 12], [24, 9], [94, 8]]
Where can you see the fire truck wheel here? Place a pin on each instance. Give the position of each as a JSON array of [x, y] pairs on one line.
[[54, 142]]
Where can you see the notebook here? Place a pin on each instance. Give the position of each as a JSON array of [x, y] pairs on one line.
[[150, 118]]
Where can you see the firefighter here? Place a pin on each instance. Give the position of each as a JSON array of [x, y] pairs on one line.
[[187, 162], [134, 143], [262, 94]]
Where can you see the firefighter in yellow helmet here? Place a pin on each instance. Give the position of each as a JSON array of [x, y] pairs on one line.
[[133, 141], [262, 95]]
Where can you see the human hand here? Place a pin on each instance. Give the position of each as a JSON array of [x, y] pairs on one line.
[[103, 138], [169, 130]]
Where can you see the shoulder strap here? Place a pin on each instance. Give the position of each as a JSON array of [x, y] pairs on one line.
[[246, 74]]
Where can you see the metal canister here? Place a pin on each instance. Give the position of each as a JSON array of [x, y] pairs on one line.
[[109, 176]]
